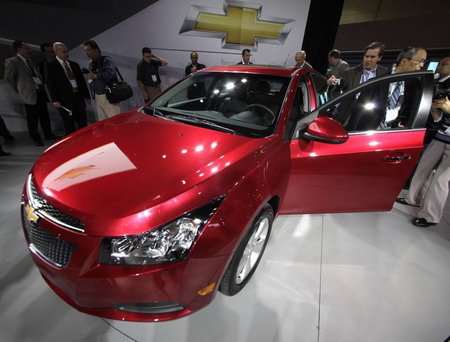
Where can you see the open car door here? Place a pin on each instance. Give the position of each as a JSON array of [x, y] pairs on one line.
[[353, 153]]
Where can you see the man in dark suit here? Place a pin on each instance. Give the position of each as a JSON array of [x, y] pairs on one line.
[[67, 88], [24, 78], [404, 97], [300, 60], [194, 66], [246, 54], [351, 78]]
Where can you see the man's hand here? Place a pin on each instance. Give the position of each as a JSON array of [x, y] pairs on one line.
[[57, 104], [443, 104], [91, 75], [331, 80]]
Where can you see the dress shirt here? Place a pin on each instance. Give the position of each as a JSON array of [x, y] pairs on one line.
[[368, 74]]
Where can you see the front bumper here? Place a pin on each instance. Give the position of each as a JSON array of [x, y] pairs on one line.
[[68, 261]]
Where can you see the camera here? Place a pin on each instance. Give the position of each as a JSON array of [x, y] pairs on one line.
[[440, 91], [85, 71]]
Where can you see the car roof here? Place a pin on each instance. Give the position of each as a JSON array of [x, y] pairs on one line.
[[257, 69]]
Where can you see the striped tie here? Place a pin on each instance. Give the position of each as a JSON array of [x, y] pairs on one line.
[[393, 101]]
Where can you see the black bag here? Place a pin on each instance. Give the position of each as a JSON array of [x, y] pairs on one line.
[[118, 91]]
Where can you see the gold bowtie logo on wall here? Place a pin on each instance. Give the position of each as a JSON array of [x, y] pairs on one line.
[[237, 24]]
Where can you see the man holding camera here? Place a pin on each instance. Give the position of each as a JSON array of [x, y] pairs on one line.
[[430, 183], [443, 83], [67, 88], [336, 69]]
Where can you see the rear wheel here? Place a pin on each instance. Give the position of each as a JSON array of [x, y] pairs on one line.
[[248, 254]]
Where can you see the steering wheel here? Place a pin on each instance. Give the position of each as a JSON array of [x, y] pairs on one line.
[[267, 109]]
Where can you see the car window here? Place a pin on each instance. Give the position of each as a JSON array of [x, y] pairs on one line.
[[320, 86], [385, 105], [248, 104]]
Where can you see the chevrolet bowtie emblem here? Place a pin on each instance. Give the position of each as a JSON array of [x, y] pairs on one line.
[[238, 24], [31, 216]]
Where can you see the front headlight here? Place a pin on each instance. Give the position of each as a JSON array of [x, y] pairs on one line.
[[170, 242]]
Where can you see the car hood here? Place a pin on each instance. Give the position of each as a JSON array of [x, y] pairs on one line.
[[132, 162]]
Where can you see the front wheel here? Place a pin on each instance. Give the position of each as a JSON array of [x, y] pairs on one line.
[[248, 254]]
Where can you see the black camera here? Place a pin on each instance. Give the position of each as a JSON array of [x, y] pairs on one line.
[[440, 91]]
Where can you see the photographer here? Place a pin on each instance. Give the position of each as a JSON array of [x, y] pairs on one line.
[[443, 85], [429, 186], [441, 90]]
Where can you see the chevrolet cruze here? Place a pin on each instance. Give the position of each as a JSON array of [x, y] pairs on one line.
[[147, 215]]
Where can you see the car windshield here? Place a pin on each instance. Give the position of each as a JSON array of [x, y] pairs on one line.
[[238, 103]]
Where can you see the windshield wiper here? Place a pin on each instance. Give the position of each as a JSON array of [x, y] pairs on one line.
[[152, 111], [205, 122]]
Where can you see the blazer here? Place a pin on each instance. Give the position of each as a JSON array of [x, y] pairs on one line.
[[19, 76], [352, 77], [59, 86], [187, 70]]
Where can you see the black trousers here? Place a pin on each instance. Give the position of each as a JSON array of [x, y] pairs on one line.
[[38, 114], [78, 117]]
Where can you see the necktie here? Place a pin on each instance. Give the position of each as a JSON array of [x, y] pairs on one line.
[[69, 71], [394, 96], [31, 68]]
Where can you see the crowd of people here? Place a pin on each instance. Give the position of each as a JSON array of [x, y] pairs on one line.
[[62, 82]]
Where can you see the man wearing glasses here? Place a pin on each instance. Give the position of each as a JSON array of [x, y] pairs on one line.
[[402, 96]]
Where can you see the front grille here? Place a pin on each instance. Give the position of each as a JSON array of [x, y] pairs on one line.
[[53, 249], [53, 214]]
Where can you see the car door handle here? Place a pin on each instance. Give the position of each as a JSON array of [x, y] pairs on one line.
[[396, 159]]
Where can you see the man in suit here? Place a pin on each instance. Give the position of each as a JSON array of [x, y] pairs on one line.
[[336, 68], [404, 97], [49, 54], [368, 69], [24, 78], [194, 66], [351, 78], [67, 88], [300, 60], [246, 54]]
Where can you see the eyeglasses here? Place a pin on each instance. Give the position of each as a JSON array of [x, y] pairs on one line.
[[422, 61]]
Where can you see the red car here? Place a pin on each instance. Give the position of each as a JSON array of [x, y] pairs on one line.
[[145, 216]]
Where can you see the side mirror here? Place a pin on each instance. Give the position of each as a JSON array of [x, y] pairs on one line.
[[326, 130]]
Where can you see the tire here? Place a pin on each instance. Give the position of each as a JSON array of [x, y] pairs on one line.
[[248, 254]]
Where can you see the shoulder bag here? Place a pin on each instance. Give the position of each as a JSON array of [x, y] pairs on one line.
[[118, 91]]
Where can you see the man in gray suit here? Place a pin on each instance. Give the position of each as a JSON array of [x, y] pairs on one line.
[[25, 79]]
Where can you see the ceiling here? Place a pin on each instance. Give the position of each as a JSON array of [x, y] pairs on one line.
[[361, 11]]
